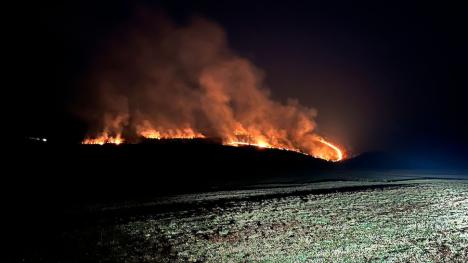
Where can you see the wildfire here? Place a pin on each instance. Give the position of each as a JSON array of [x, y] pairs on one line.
[[210, 91], [338, 156], [186, 133], [259, 145], [105, 139], [262, 144], [326, 151], [329, 153]]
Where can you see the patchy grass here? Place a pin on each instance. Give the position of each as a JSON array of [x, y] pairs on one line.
[[422, 222]]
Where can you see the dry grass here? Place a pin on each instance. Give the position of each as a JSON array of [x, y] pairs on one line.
[[426, 222]]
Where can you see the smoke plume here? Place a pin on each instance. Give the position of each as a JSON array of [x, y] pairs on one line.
[[159, 79]]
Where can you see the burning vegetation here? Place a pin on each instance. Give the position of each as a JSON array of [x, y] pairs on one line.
[[164, 81], [328, 152]]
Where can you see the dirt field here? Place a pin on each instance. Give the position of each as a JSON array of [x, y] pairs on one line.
[[420, 221]]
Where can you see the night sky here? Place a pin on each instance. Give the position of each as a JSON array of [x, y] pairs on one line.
[[383, 76]]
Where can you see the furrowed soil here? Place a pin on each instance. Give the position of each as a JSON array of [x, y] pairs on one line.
[[419, 221]]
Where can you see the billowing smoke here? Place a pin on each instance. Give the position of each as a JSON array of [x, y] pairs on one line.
[[159, 79]]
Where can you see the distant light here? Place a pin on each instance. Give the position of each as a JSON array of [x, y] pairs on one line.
[[37, 139]]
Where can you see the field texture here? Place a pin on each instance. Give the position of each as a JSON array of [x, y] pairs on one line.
[[425, 221]]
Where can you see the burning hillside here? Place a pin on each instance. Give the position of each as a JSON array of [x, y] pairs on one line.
[[162, 81], [329, 151]]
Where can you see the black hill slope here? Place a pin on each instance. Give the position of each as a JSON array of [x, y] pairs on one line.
[[160, 167], [49, 180], [156, 167]]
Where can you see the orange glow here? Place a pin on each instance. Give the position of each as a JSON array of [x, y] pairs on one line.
[[186, 83], [327, 151], [186, 133], [259, 145], [338, 153], [104, 139], [317, 147]]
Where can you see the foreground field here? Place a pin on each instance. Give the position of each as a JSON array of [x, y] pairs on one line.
[[425, 221]]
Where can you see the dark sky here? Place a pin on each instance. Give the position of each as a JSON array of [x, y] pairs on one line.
[[383, 76]]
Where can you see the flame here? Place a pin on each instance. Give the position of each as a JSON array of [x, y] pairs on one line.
[[326, 150], [261, 144], [338, 156], [258, 145], [105, 138], [330, 152], [185, 83], [186, 133]]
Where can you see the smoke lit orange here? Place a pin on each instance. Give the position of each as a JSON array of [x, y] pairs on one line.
[[328, 151], [104, 139], [171, 134], [185, 82]]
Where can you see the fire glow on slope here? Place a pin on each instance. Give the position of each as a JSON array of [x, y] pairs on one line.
[[338, 151], [171, 134], [185, 82], [104, 139], [330, 152]]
